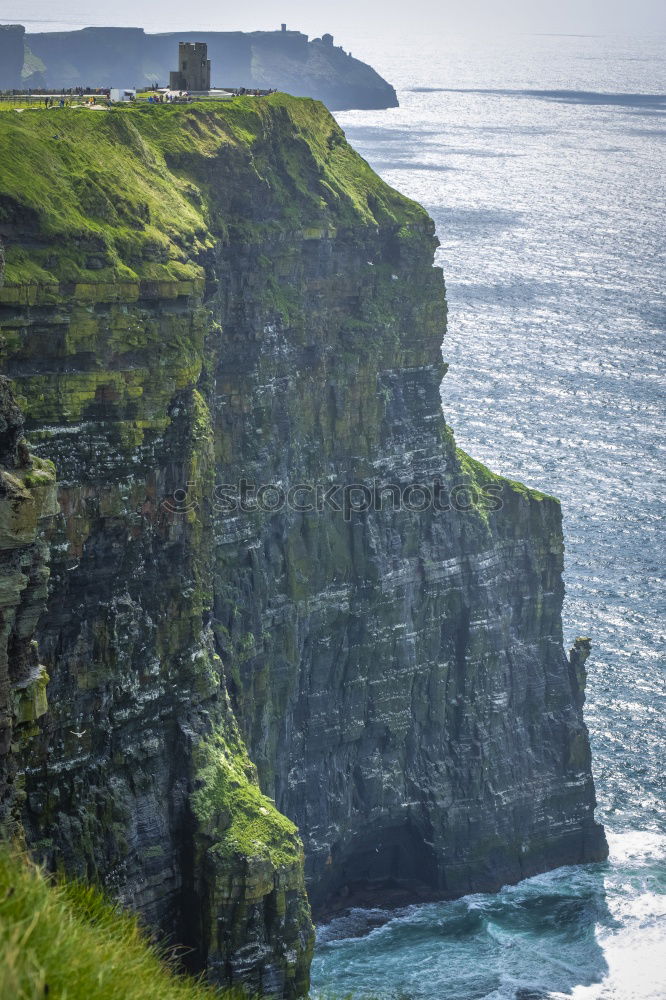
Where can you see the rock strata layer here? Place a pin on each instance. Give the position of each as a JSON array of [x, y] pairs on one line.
[[27, 502], [237, 301]]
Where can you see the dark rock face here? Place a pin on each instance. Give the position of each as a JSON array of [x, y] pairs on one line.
[[11, 55], [117, 57], [404, 693], [27, 501], [396, 675], [139, 716]]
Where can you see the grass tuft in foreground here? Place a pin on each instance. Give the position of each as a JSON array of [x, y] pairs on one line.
[[64, 940]]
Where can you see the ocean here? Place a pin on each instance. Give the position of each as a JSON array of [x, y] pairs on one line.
[[541, 160]]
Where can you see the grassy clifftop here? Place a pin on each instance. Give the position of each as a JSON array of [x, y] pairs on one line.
[[132, 194]]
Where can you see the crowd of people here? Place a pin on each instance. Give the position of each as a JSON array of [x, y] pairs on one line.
[[244, 92], [66, 97], [176, 96], [65, 101], [64, 92]]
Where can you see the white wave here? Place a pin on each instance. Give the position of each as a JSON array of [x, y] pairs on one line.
[[633, 847], [636, 968]]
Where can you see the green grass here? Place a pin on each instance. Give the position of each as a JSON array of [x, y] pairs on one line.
[[137, 193], [481, 476], [229, 801], [22, 102], [64, 941]]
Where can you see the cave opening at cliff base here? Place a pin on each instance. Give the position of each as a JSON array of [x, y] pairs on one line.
[[387, 866]]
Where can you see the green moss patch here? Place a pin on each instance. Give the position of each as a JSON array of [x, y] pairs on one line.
[[84, 199], [231, 807], [481, 475]]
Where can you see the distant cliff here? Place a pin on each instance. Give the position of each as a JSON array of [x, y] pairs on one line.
[[207, 295], [123, 57], [11, 55]]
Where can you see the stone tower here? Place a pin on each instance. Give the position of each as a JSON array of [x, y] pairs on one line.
[[193, 71]]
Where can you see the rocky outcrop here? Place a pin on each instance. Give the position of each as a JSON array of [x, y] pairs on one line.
[[281, 60], [237, 301], [402, 688]]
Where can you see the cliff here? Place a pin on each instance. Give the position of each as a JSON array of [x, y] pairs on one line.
[[236, 298], [27, 501], [281, 60]]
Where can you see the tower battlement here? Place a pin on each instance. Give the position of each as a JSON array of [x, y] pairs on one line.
[[193, 71]]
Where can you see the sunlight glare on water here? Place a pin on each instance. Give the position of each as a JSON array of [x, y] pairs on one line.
[[541, 160]]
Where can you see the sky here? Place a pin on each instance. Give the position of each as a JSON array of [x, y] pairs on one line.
[[351, 19]]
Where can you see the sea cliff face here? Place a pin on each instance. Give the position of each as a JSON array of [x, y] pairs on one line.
[[237, 301], [27, 502]]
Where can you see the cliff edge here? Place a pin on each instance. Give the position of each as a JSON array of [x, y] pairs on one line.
[[202, 301]]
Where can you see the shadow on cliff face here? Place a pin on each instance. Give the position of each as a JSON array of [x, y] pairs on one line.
[[388, 866]]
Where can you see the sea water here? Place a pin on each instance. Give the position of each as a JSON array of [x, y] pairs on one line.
[[541, 160]]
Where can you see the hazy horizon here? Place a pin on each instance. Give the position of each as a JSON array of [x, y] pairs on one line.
[[348, 20]]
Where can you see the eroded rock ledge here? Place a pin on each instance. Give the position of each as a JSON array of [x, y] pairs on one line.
[[235, 295]]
